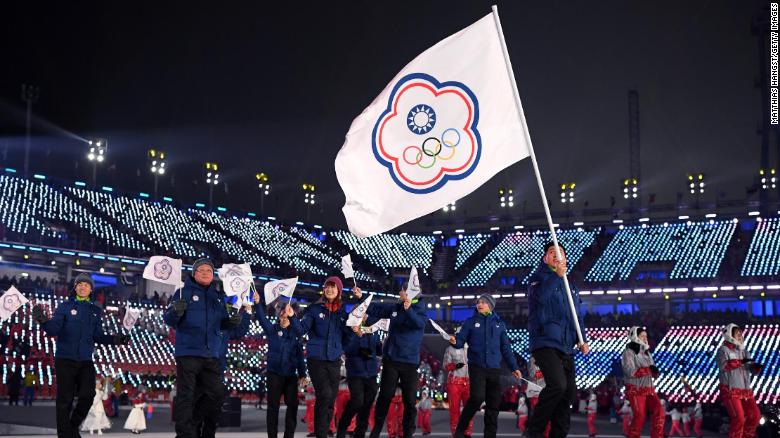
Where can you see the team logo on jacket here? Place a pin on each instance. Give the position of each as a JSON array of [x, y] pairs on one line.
[[476, 325], [394, 314], [322, 315], [428, 134], [73, 312], [280, 333], [195, 298]]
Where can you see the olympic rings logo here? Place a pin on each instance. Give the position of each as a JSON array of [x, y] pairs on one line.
[[432, 149], [408, 138]]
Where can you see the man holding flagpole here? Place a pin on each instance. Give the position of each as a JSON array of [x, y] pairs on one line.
[[449, 121], [552, 330]]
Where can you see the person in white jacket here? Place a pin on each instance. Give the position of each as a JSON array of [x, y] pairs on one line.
[[96, 418], [735, 367]]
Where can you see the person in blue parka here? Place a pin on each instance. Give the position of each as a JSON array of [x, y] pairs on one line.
[[325, 323], [77, 324], [400, 358], [198, 314], [362, 350], [485, 334], [286, 367], [552, 336]]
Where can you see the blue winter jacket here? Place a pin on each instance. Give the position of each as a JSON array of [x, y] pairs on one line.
[[488, 341], [550, 323], [199, 330], [325, 329], [233, 334], [357, 363], [285, 350], [406, 330], [77, 326]]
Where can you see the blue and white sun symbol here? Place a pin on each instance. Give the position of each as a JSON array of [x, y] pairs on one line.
[[421, 119]]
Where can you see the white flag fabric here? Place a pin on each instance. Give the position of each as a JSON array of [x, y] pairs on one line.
[[164, 270], [382, 324], [346, 266], [357, 314], [441, 331], [277, 288], [533, 386], [236, 278], [131, 316], [10, 302], [443, 126], [413, 287]]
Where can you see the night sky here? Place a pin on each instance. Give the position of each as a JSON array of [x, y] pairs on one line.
[[258, 87]]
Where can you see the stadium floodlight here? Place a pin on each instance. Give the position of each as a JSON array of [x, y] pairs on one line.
[[630, 188], [96, 154], [567, 192], [212, 179], [449, 207], [156, 159], [696, 183], [506, 198], [265, 188], [308, 197], [768, 179]]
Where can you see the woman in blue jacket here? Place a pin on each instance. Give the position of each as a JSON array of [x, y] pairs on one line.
[[325, 323], [485, 334], [285, 360], [77, 325]]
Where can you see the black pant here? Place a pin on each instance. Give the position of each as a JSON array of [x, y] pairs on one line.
[[204, 427], [392, 372], [555, 399], [325, 376], [362, 391], [484, 386], [279, 385], [74, 378], [205, 375]]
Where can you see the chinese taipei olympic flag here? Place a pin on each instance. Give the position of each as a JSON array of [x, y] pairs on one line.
[[440, 129]]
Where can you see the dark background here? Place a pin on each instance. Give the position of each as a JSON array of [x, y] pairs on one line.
[[273, 87]]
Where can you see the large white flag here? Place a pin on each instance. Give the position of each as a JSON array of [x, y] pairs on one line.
[[10, 302], [276, 288], [164, 270], [236, 279], [440, 129], [413, 287], [357, 314], [346, 266]]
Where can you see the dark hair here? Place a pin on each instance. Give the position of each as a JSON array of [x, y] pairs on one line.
[[550, 244]]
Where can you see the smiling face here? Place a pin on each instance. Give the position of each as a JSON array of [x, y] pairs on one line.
[[551, 259], [330, 291], [83, 289], [204, 275]]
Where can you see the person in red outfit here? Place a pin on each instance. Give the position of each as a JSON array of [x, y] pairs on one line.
[[522, 414], [424, 407], [456, 365], [535, 386], [735, 366], [627, 414], [395, 416], [639, 370], [592, 412]]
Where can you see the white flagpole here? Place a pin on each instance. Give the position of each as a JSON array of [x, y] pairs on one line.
[[519, 105]]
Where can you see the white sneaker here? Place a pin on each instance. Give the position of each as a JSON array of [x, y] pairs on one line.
[[100, 431], [91, 432]]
